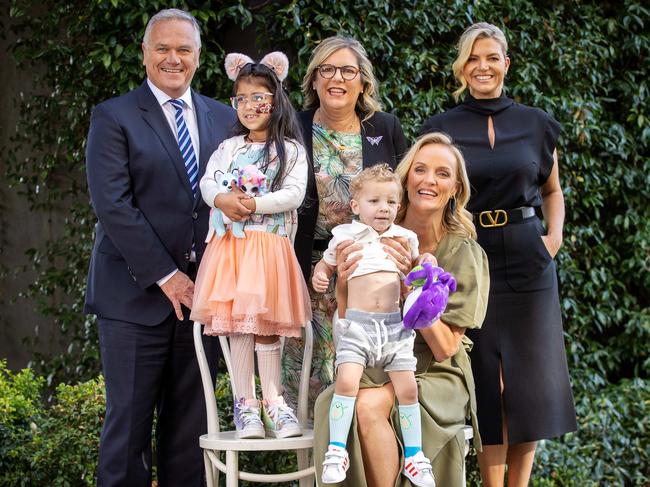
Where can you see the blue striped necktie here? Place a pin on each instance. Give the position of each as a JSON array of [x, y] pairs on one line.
[[185, 145]]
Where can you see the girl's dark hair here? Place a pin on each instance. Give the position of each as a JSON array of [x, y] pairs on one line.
[[283, 123]]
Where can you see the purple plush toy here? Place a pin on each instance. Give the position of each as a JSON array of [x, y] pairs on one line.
[[425, 304]]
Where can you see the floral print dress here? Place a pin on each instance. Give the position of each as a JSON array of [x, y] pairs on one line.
[[337, 159]]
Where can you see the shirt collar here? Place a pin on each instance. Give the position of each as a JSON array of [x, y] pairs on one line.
[[359, 228], [163, 97]]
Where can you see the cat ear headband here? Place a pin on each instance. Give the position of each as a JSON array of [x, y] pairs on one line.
[[276, 61]]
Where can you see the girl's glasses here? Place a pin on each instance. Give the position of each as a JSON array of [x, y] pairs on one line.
[[240, 101], [328, 71]]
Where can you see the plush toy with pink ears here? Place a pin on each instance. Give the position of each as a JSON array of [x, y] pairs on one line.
[[252, 181], [428, 301]]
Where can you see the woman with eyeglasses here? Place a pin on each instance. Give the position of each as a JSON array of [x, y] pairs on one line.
[[519, 362], [344, 131]]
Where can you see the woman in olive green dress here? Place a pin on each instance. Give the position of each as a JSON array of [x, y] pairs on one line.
[[436, 192]]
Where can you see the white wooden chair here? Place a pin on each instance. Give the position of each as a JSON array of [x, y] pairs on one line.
[[216, 441], [469, 434]]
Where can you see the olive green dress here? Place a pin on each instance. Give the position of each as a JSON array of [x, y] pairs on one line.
[[445, 389]]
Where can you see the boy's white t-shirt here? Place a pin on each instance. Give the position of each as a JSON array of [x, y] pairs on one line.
[[374, 257]]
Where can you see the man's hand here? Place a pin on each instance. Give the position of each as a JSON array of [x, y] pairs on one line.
[[320, 282], [231, 204], [179, 289]]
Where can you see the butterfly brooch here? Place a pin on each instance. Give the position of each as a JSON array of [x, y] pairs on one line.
[[375, 140]]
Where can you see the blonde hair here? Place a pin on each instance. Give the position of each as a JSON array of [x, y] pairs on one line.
[[368, 102], [480, 30], [379, 173], [457, 221]]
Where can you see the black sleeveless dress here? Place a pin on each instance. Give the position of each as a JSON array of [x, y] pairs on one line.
[[523, 327]]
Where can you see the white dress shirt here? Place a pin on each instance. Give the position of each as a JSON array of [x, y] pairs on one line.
[[170, 114], [190, 120]]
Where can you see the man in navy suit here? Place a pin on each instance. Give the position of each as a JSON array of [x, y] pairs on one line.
[[149, 239]]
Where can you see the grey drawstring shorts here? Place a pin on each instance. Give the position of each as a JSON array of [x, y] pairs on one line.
[[374, 340]]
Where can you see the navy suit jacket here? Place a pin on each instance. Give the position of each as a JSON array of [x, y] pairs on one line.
[[140, 191]]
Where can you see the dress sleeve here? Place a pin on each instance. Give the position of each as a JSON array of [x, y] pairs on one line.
[[549, 142], [467, 262]]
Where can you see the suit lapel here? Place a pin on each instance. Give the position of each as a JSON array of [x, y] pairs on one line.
[[155, 118], [206, 133]]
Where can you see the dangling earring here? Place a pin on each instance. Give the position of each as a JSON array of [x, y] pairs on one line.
[[452, 204]]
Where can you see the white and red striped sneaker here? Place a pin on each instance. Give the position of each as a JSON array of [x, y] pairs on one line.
[[336, 464], [418, 470]]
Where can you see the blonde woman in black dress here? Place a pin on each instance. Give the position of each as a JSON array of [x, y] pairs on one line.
[[519, 361]]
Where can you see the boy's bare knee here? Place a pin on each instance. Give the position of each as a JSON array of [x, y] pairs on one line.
[[346, 386], [408, 396], [406, 387], [346, 389]]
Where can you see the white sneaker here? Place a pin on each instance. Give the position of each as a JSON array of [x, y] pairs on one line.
[[335, 465], [247, 420], [418, 470], [280, 421]]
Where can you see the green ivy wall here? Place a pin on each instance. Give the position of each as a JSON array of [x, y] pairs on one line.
[[584, 62]]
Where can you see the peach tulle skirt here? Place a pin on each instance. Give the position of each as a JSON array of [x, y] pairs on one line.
[[251, 285]]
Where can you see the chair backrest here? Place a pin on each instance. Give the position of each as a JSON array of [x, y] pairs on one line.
[[206, 377]]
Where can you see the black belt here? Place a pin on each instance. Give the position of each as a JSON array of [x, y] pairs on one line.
[[499, 218]]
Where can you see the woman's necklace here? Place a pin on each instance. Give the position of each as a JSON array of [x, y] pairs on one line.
[[335, 138], [350, 128]]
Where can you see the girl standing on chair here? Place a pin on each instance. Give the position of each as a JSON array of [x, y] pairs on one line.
[[251, 288]]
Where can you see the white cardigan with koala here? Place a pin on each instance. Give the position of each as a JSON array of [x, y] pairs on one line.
[[285, 200]]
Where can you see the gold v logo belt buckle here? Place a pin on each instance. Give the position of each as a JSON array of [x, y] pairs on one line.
[[493, 218]]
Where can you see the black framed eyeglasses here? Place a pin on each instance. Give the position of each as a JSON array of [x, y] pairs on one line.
[[240, 101], [328, 71]]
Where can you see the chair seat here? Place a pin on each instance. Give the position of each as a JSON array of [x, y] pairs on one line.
[[227, 440]]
